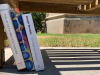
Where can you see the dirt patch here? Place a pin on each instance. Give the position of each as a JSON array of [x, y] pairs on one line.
[[43, 36]]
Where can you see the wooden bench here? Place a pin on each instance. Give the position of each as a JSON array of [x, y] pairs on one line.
[[80, 7]]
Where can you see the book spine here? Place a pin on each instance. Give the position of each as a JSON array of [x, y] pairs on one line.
[[33, 42], [9, 28], [22, 38]]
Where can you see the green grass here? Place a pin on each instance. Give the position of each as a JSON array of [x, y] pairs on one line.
[[68, 40]]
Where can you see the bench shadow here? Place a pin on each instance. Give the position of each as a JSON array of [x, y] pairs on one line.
[[57, 60]]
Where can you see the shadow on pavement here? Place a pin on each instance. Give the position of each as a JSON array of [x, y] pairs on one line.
[[57, 60]]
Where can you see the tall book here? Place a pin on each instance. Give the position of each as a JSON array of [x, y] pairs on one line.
[[22, 38], [11, 34], [33, 42]]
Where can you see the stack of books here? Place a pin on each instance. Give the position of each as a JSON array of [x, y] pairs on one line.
[[22, 38]]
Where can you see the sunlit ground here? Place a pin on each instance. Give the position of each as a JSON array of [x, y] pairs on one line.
[[60, 61]]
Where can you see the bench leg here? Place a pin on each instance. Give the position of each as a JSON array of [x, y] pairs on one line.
[[1, 44]]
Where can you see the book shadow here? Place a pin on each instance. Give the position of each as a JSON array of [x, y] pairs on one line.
[[58, 61]]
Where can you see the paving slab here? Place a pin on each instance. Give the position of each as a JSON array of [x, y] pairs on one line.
[[60, 61]]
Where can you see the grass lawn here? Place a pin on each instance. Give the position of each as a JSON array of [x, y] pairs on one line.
[[67, 40]]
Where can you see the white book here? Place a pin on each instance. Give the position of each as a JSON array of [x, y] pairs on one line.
[[11, 34], [33, 42]]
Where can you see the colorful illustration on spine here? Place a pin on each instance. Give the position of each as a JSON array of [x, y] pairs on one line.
[[22, 38]]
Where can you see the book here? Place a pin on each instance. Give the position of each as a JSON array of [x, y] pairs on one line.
[[22, 38], [11, 34], [33, 42]]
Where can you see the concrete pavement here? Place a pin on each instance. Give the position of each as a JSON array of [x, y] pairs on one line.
[[60, 61]]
